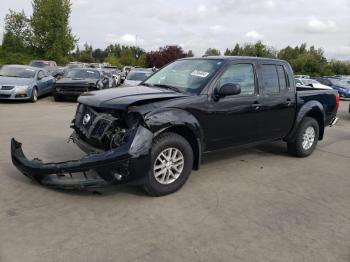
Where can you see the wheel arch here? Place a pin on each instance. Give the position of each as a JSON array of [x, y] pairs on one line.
[[312, 109], [182, 123]]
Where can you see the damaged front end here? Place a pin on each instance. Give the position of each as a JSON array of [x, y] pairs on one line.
[[119, 152]]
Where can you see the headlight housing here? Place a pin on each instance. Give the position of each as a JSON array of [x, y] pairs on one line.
[[21, 89]]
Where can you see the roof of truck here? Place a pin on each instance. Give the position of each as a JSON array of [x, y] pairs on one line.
[[237, 57]]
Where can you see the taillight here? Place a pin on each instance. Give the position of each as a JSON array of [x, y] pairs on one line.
[[337, 101]]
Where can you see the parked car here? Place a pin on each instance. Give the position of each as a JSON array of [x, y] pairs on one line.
[[116, 73], [125, 72], [111, 80], [154, 134], [79, 80], [310, 82], [136, 76], [301, 76], [96, 65], [50, 67], [72, 65], [43, 63], [20, 82], [342, 86]]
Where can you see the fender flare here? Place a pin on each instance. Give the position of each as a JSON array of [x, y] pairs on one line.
[[312, 109], [178, 120]]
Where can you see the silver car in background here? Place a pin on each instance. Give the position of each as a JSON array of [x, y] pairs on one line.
[[136, 76]]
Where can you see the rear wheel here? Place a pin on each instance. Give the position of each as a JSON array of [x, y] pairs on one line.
[[306, 138], [171, 164], [34, 96]]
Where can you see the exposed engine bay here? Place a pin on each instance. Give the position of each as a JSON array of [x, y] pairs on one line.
[[103, 130]]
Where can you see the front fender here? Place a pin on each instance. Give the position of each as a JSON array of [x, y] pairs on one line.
[[161, 120], [181, 122], [311, 107]]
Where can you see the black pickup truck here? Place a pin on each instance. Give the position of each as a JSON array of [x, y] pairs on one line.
[[155, 133]]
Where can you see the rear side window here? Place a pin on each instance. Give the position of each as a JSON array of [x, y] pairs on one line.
[[270, 79], [282, 77]]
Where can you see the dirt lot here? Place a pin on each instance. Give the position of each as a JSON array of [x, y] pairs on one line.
[[243, 205]]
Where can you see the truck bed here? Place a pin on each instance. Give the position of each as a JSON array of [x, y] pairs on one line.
[[327, 98]]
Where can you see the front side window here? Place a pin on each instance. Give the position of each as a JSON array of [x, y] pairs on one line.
[[242, 74], [270, 79], [41, 74]]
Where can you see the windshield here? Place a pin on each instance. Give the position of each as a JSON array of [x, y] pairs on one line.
[[186, 75], [82, 73], [22, 72], [338, 82], [138, 76], [40, 64]]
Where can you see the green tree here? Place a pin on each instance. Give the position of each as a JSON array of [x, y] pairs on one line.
[[259, 49], [113, 60], [212, 52], [18, 33], [52, 36], [306, 61]]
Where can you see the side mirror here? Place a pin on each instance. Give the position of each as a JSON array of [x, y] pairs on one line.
[[298, 84], [228, 90], [39, 78]]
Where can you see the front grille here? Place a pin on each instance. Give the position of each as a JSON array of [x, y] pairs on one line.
[[4, 96], [95, 124], [7, 87]]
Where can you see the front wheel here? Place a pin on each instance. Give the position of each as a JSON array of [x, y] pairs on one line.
[[34, 96], [57, 97], [306, 138], [171, 164]]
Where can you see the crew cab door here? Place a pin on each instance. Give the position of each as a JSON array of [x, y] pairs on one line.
[[234, 120], [279, 99]]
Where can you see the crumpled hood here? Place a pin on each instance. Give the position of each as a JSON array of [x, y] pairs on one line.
[[13, 81], [122, 97]]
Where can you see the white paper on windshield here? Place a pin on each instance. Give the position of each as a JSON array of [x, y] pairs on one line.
[[31, 70], [199, 73], [91, 72]]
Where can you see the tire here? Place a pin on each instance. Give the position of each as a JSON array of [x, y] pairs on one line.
[[57, 97], [34, 97], [175, 174], [306, 138]]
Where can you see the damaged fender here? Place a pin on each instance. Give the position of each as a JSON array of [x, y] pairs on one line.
[[111, 166]]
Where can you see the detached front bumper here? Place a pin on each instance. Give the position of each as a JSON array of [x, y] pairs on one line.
[[123, 164]]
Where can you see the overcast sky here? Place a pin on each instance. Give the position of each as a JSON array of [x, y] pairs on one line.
[[197, 25]]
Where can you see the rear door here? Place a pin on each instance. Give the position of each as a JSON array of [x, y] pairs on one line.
[[279, 100]]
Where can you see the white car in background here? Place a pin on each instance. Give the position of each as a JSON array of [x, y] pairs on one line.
[[310, 82], [136, 76]]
